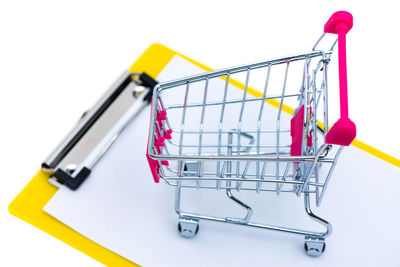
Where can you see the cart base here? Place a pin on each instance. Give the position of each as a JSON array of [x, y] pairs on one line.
[[314, 245]]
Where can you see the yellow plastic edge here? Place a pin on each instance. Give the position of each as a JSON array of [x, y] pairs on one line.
[[30, 201]]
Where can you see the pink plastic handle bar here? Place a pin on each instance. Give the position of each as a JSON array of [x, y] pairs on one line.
[[343, 131]]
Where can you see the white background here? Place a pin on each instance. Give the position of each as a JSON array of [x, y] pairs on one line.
[[57, 58]]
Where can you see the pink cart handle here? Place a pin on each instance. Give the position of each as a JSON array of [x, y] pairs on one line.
[[343, 131]]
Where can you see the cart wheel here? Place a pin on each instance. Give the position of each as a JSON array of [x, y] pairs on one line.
[[188, 227], [314, 246]]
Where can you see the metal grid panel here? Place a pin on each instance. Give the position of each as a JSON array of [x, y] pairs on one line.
[[225, 138]]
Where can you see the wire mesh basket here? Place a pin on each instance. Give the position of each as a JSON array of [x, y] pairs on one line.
[[234, 129]]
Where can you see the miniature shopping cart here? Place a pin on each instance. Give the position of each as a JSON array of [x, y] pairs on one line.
[[206, 133]]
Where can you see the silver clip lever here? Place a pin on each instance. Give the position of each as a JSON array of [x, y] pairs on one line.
[[73, 159]]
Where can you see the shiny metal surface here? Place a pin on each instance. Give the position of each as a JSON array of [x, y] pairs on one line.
[[241, 164], [240, 158], [96, 130]]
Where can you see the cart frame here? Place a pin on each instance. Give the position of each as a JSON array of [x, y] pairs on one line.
[[317, 145]]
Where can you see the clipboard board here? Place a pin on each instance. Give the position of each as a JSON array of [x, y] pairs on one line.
[[29, 203]]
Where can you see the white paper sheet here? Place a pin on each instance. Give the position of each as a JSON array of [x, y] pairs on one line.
[[122, 209]]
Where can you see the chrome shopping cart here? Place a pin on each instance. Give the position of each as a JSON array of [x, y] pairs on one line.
[[206, 133]]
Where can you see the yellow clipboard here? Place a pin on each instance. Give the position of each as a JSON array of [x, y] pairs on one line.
[[28, 205]]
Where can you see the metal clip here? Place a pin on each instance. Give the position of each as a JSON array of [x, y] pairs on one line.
[[73, 159]]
